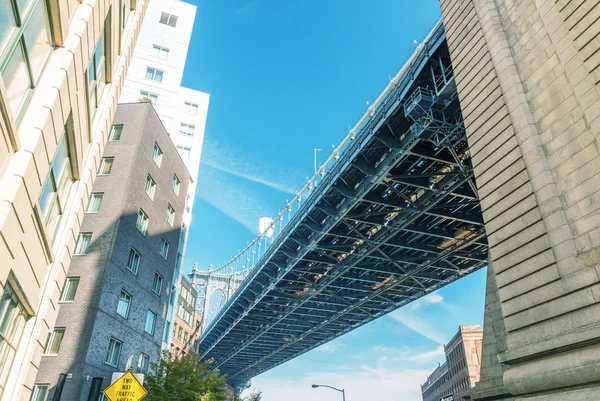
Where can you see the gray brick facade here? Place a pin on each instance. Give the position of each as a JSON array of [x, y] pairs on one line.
[[91, 319]]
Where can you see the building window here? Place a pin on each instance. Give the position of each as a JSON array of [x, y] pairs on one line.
[[83, 243], [53, 342], [96, 75], [39, 393], [106, 165], [154, 75], [176, 184], [191, 108], [125, 10], [170, 215], [187, 129], [69, 289], [157, 154], [184, 151], [24, 48], [142, 222], [115, 132], [167, 331], [113, 353], [94, 202], [150, 322], [124, 303], [57, 187], [153, 97], [134, 261], [168, 19], [143, 363], [179, 333], [185, 337], [157, 284], [188, 203], [160, 52], [164, 248], [12, 322], [150, 187]]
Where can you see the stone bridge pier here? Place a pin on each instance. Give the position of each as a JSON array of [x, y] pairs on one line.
[[527, 74]]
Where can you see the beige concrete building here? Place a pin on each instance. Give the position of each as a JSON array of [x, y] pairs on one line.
[[62, 65], [453, 379]]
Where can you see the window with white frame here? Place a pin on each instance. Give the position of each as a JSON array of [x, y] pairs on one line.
[[142, 222], [39, 392], [186, 129], [154, 74], [25, 44], [170, 215], [54, 340], [160, 52], [150, 187], [133, 263], [94, 202], [56, 188], [12, 323], [157, 154], [83, 243], [150, 322], [115, 132], [157, 283], [143, 363], [69, 289], [124, 304], [184, 151], [168, 19], [164, 248], [176, 184], [191, 108], [106, 165], [113, 352], [96, 74], [153, 97]]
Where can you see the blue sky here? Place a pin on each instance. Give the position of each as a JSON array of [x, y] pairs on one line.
[[287, 77]]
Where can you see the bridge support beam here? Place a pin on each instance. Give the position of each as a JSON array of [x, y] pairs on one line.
[[526, 73]]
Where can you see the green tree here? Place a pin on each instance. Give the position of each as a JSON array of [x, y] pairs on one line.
[[184, 379], [254, 396]]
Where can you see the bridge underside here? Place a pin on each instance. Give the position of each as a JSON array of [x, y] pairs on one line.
[[396, 218]]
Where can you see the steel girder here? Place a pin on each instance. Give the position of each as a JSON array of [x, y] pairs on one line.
[[397, 217]]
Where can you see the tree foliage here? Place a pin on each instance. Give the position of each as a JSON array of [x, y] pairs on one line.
[[254, 396], [184, 379]]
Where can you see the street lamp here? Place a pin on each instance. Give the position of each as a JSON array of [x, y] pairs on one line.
[[316, 150], [333, 388]]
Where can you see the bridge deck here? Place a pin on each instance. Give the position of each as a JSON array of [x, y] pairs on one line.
[[397, 217]]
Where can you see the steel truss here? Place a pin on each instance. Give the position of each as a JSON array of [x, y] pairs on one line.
[[396, 218]]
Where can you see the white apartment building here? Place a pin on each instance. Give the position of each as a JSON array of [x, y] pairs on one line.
[[155, 73], [62, 65]]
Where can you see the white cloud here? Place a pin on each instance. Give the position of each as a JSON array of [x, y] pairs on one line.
[[421, 325], [330, 348], [428, 356], [360, 385], [433, 298], [258, 170]]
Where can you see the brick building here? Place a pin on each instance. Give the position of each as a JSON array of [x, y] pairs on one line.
[[115, 298], [187, 323], [452, 380]]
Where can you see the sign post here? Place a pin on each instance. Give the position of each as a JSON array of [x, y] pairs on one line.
[[125, 388]]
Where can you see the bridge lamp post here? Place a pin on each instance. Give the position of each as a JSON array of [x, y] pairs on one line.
[[333, 388], [316, 150]]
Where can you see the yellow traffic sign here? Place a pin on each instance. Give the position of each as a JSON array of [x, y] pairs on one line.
[[126, 388]]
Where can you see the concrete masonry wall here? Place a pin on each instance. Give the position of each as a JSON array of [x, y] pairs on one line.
[[526, 74]]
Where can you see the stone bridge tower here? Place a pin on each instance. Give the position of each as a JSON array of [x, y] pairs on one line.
[[527, 74]]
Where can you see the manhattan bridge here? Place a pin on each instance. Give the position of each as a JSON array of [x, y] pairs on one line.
[[390, 216]]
